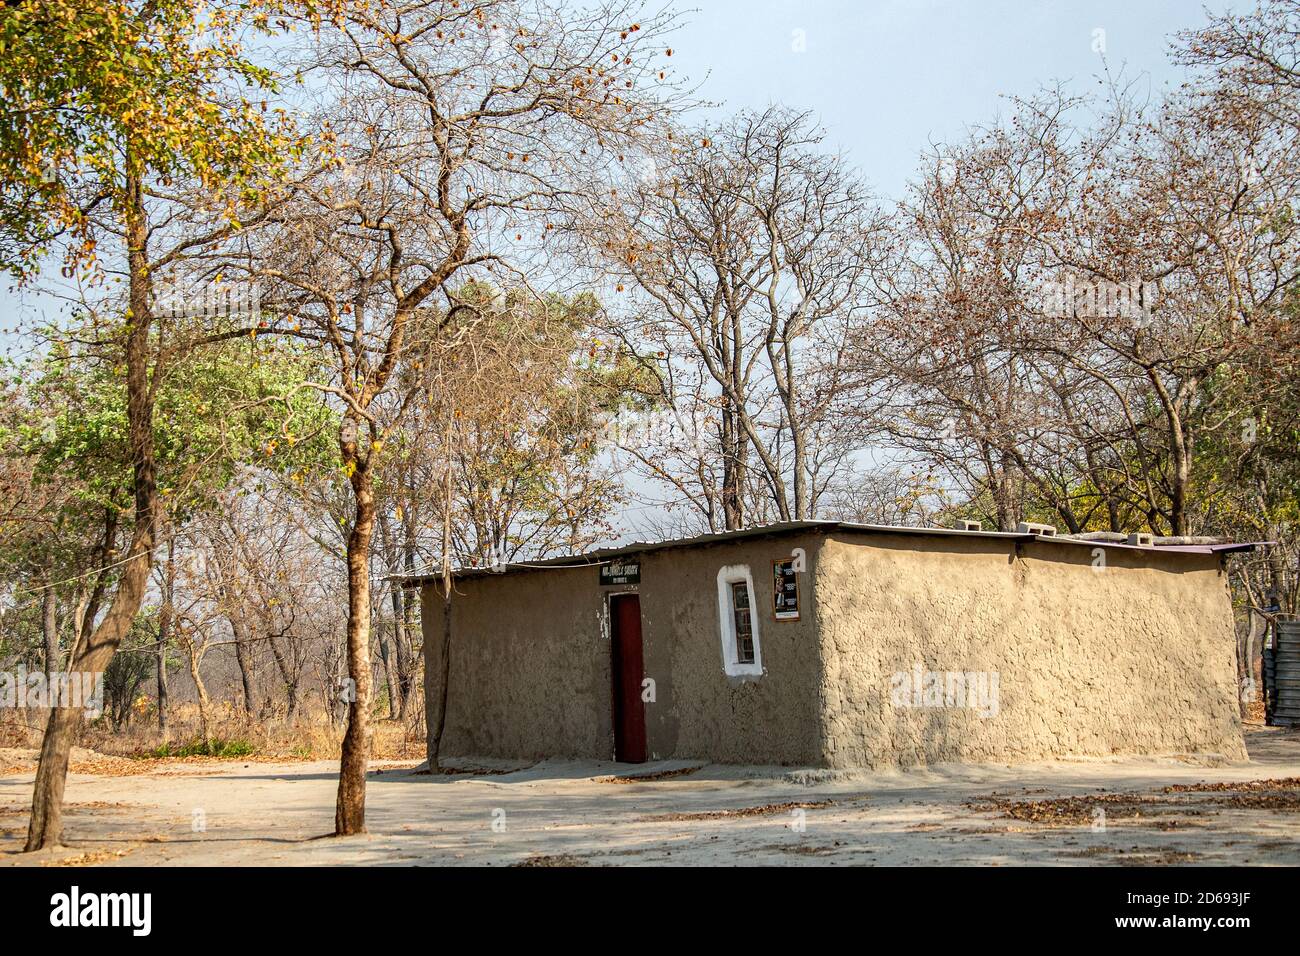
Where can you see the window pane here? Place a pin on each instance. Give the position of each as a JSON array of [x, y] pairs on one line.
[[744, 631]]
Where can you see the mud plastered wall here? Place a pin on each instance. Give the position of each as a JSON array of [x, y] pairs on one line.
[[1133, 657], [699, 711], [531, 662], [530, 669]]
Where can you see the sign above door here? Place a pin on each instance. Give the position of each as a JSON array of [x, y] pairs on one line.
[[620, 572]]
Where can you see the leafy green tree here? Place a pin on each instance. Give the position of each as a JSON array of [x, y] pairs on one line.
[[238, 407], [98, 90], [235, 405], [107, 103]]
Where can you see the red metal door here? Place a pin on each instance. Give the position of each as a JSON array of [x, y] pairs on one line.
[[628, 670]]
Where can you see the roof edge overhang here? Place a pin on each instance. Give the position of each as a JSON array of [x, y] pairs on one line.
[[602, 556]]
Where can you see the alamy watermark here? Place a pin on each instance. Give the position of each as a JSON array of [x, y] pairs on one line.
[[239, 300], [82, 690], [74, 908], [1110, 300], [921, 688], [658, 427]]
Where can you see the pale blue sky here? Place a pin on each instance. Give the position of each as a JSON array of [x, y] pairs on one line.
[[888, 76]]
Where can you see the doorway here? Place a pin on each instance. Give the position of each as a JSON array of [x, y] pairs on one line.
[[628, 671]]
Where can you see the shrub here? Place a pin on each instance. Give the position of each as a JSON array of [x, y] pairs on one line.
[[216, 747]]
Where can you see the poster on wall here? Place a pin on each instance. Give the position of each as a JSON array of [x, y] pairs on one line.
[[785, 590]]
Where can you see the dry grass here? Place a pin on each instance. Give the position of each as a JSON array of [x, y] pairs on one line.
[[99, 748]]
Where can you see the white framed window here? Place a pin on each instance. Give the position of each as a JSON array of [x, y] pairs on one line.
[[742, 655]]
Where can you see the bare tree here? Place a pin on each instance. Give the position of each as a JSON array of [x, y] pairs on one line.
[[1195, 208], [750, 252], [1254, 59], [453, 126]]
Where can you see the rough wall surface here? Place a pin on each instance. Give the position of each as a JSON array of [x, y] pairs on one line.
[[1137, 657], [531, 668], [702, 713]]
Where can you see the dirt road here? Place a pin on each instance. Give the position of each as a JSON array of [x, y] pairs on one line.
[[1135, 811]]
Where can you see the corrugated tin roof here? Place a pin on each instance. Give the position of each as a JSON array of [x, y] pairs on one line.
[[604, 555]]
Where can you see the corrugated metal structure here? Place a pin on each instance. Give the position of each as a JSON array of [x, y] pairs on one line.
[[1282, 676]]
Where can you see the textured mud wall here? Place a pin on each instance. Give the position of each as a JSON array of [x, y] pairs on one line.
[[529, 672], [530, 662], [702, 713], [1135, 658]]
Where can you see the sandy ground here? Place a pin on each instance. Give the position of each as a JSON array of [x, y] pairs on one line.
[[1122, 811]]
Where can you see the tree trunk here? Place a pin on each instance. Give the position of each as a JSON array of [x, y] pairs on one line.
[[160, 677], [390, 673], [438, 724], [289, 677], [387, 654], [244, 659], [350, 810], [164, 635], [406, 666], [733, 473], [404, 632], [1256, 625], [437, 720], [46, 826], [205, 727], [1004, 494], [1178, 492], [50, 628]]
